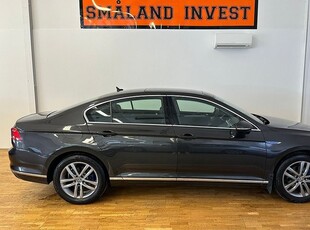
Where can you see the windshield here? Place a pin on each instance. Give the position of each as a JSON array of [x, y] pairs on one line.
[[256, 118]]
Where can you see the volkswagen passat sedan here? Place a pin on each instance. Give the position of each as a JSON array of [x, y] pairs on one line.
[[159, 135]]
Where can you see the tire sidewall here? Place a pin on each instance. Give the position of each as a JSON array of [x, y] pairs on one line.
[[279, 175], [102, 182]]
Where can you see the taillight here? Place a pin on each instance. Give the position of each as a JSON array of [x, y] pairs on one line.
[[15, 135]]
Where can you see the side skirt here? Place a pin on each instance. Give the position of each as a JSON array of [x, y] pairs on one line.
[[187, 179]]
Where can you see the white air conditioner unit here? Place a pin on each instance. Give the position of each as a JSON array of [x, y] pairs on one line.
[[233, 41]]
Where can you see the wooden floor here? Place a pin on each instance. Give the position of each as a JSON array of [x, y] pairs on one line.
[[25, 205]]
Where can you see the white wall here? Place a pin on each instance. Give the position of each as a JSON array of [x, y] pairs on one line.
[[74, 64], [16, 85], [306, 95]]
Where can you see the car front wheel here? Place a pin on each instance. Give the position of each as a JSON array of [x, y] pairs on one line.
[[293, 179], [79, 179]]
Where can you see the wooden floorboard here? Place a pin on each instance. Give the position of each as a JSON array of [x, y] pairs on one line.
[[26, 205]]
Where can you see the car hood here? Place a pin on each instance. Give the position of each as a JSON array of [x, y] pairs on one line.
[[287, 124]]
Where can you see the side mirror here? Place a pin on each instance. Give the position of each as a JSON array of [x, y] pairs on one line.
[[241, 129]]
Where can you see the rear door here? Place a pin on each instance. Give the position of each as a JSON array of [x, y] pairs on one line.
[[136, 137], [207, 147]]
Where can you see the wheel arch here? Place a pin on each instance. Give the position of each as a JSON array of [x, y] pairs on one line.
[[277, 179], [64, 153], [275, 164], [289, 154]]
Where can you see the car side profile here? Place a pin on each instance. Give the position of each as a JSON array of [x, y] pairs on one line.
[[159, 135]]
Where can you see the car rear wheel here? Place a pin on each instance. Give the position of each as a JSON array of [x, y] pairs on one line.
[[293, 179], [79, 180]]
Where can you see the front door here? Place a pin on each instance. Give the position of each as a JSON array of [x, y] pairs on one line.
[[207, 147]]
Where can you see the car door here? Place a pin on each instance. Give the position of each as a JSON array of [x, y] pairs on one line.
[[135, 136], [208, 146]]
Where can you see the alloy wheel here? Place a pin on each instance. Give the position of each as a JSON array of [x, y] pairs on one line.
[[78, 180], [296, 179]]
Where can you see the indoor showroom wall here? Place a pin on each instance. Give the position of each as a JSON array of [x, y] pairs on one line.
[[16, 76], [74, 64]]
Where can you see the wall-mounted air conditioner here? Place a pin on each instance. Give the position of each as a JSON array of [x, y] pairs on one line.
[[233, 41]]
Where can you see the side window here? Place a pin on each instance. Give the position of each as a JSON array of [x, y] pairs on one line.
[[197, 112], [125, 105], [100, 113], [197, 106], [139, 110]]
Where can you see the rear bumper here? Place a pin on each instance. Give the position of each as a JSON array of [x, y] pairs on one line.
[[22, 166], [39, 178]]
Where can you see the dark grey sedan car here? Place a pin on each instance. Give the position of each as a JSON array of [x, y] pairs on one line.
[[159, 135]]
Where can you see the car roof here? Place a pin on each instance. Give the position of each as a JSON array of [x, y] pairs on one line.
[[134, 92], [148, 91], [173, 91]]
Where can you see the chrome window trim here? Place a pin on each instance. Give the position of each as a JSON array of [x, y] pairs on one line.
[[168, 125], [256, 129], [115, 123], [116, 99], [212, 102], [29, 174], [188, 179], [210, 127]]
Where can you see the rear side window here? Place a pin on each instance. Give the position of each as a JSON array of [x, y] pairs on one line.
[[100, 113], [139, 110], [134, 110]]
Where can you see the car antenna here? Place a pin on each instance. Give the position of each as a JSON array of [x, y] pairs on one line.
[[119, 89]]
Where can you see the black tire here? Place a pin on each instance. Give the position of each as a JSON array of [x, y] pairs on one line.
[[292, 185], [79, 179]]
